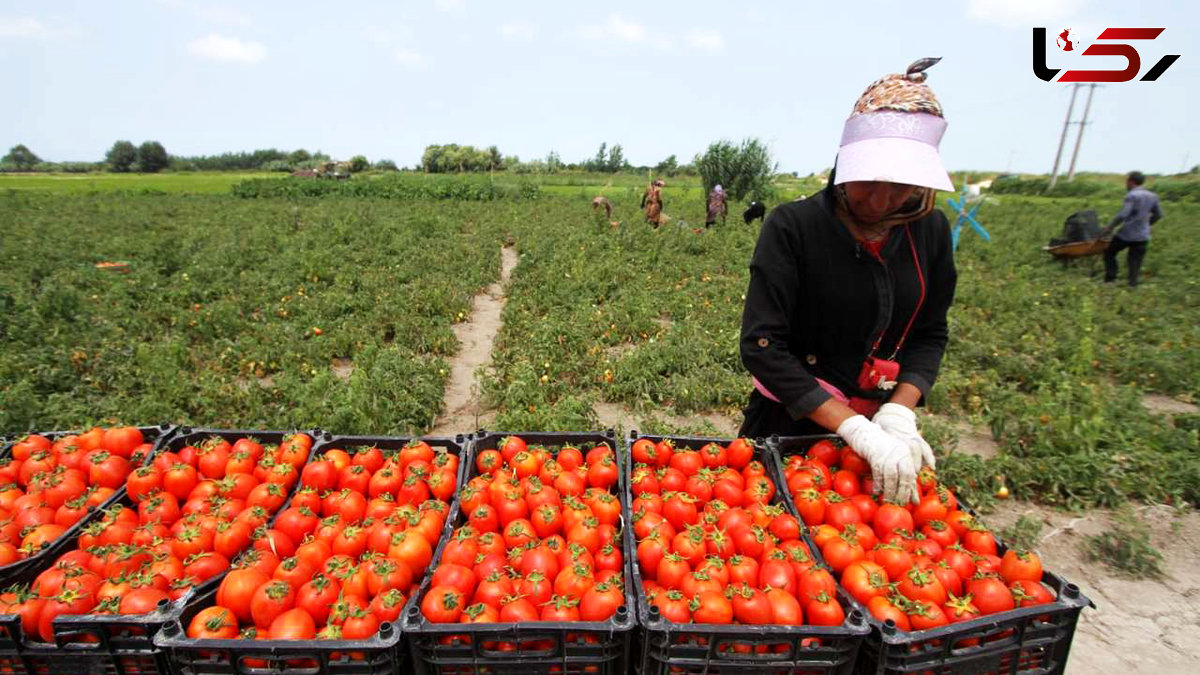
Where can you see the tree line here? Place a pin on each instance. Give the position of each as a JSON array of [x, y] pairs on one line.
[[744, 170], [152, 157]]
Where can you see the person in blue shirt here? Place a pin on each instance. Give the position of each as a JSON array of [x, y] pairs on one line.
[[1141, 210]]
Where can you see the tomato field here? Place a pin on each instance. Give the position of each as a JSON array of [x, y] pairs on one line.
[[337, 313]]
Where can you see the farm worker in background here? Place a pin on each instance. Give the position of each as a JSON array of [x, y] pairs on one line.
[[652, 202], [602, 204], [716, 206], [1141, 210], [844, 324]]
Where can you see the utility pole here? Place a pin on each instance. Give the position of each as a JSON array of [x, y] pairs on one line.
[[1063, 139], [1079, 138]]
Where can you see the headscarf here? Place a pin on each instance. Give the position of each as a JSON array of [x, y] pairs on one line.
[[904, 93]]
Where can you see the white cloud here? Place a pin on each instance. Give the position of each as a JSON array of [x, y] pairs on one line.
[[410, 58], [455, 6], [615, 27], [29, 27], [518, 29], [222, 14], [387, 36], [619, 29], [629, 31], [1023, 13], [230, 49], [706, 40]]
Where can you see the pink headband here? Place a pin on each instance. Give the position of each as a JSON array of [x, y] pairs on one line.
[[921, 127]]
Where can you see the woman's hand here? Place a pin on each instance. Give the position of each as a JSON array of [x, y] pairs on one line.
[[890, 460], [901, 422]]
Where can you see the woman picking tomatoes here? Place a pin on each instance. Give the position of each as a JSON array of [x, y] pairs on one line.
[[844, 324]]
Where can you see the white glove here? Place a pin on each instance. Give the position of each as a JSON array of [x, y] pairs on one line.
[[901, 422], [891, 463]]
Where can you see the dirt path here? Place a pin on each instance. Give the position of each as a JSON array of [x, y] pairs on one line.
[[617, 416], [462, 409], [1140, 626]]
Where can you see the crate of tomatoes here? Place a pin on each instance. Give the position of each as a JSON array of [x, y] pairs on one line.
[[95, 601], [346, 551], [50, 481], [944, 594], [531, 575], [725, 580]]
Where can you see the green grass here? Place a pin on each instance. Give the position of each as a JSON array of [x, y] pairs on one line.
[[203, 182]]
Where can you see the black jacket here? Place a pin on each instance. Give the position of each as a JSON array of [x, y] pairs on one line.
[[817, 300]]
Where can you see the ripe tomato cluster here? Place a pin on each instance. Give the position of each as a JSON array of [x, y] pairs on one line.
[[541, 541], [184, 526], [923, 565], [711, 546], [48, 486], [357, 534]]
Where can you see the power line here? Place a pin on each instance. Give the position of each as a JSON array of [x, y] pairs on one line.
[[1062, 141], [1079, 138]]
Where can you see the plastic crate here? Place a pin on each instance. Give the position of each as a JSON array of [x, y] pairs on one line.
[[1026, 641], [535, 648], [155, 435], [380, 655], [102, 643], [706, 649]]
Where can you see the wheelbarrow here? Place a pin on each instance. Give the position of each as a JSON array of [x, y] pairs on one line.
[[1073, 250]]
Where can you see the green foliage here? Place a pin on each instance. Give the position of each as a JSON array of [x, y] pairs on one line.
[[19, 158], [358, 164], [121, 157], [1169, 189], [454, 158], [385, 165], [390, 186], [213, 324], [210, 325], [608, 160], [1126, 548], [151, 157], [1026, 533], [744, 171], [668, 167]]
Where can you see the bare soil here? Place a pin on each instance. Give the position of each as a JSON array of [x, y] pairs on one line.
[[1148, 626], [975, 440], [462, 407], [624, 420], [1165, 405]]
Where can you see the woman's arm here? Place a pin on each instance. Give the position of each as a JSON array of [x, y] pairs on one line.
[[772, 300]]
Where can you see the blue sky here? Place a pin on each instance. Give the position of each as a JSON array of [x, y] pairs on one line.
[[385, 79]]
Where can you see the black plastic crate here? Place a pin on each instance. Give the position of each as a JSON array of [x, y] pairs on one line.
[[706, 649], [102, 643], [155, 435], [380, 655], [535, 648], [1025, 641]]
